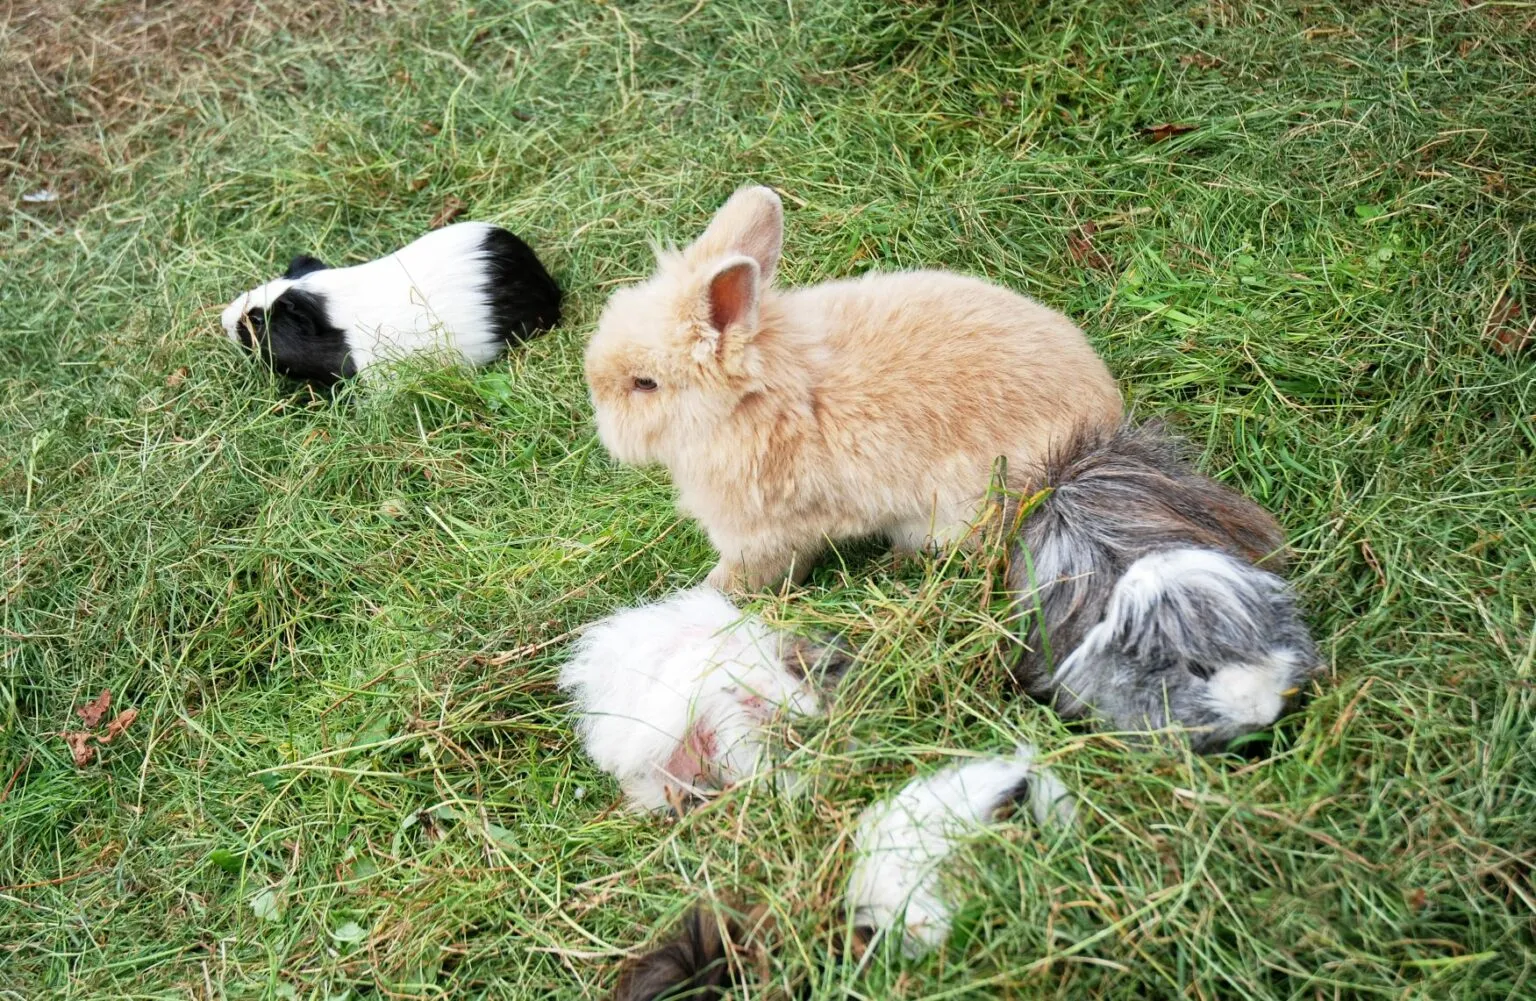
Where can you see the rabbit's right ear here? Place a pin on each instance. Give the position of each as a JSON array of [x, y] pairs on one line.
[[750, 224]]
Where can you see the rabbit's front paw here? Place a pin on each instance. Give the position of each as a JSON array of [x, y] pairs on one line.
[[726, 576]]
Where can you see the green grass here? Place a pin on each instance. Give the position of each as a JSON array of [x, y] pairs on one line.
[[340, 619]]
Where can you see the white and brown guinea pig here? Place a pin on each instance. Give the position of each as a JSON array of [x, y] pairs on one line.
[[676, 696], [467, 290]]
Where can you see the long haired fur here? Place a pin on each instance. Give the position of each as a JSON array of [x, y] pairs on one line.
[[1145, 605], [675, 696], [901, 843], [694, 961], [872, 406]]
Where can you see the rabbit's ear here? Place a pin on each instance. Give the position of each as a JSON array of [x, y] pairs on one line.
[[729, 307], [732, 294], [750, 224]]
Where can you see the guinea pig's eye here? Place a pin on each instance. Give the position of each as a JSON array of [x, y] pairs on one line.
[[645, 385], [251, 326]]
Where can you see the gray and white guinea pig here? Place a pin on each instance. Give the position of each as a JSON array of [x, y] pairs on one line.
[[467, 290], [1149, 594]]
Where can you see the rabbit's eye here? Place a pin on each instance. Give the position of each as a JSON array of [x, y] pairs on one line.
[[645, 385]]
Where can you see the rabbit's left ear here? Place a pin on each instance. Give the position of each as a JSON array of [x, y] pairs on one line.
[[750, 224], [733, 295], [729, 309]]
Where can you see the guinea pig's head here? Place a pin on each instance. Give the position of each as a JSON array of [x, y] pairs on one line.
[[673, 356], [244, 318], [287, 324]]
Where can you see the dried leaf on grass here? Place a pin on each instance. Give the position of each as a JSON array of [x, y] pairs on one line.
[[451, 210], [1080, 245], [1504, 333], [122, 722], [1167, 130], [92, 712], [80, 747]]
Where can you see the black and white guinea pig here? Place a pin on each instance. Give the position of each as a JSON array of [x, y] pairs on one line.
[[467, 290]]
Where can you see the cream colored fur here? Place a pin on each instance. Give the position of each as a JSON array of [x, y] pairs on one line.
[[876, 405]]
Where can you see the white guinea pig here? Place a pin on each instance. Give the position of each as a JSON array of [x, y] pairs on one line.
[[901, 843], [466, 290], [675, 696]]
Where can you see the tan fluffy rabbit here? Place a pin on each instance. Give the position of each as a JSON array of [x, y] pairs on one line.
[[876, 405]]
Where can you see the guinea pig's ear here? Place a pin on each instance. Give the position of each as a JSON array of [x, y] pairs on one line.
[[293, 318], [750, 224], [303, 265], [731, 295]]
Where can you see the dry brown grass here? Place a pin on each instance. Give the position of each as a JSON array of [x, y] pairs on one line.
[[91, 87]]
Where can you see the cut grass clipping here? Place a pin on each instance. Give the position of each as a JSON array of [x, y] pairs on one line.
[[1301, 233]]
